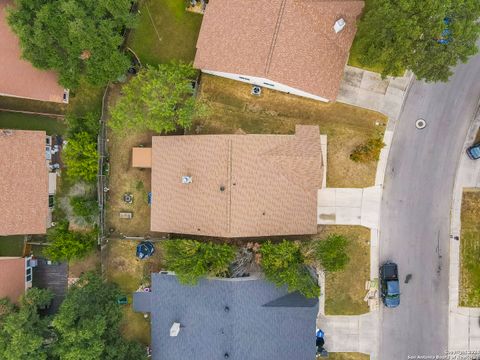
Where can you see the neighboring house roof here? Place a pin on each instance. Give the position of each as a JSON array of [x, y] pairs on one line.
[[241, 317], [288, 41], [12, 277], [18, 77], [242, 185], [23, 182]]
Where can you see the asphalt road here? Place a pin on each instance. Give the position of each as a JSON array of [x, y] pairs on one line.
[[415, 211]]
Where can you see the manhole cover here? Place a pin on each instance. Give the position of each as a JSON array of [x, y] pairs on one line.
[[420, 124]]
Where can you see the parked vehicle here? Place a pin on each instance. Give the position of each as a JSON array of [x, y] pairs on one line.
[[473, 151], [390, 286]]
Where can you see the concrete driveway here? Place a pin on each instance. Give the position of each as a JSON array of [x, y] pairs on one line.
[[415, 213]]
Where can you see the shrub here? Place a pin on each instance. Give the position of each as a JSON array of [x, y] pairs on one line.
[[84, 207], [370, 151], [331, 252], [66, 245], [284, 264], [192, 260]]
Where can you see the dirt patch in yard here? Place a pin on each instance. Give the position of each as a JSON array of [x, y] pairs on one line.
[[345, 290], [91, 263], [469, 293], [123, 268], [232, 109]]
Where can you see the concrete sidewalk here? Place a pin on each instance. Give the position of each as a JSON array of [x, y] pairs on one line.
[[464, 326]]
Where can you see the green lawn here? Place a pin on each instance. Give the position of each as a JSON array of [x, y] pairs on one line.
[[86, 98], [12, 245], [344, 290], [10, 120], [165, 32], [469, 292]]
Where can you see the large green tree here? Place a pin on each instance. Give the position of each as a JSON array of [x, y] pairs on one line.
[[88, 324], [74, 37], [425, 36], [159, 99], [67, 245], [192, 260], [81, 157], [23, 333], [284, 264]]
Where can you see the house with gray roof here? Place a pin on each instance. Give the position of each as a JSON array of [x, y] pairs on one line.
[[243, 318]]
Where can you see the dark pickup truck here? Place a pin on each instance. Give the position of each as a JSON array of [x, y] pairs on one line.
[[390, 286]]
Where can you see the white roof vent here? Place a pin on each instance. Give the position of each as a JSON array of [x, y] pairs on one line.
[[175, 329], [339, 25], [186, 179]]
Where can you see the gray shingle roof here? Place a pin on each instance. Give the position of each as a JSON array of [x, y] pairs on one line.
[[246, 318]]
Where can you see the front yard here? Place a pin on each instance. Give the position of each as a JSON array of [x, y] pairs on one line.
[[123, 268], [165, 32], [470, 249], [232, 109], [345, 290]]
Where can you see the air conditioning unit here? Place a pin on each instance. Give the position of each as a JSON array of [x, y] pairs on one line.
[[175, 329], [256, 90]]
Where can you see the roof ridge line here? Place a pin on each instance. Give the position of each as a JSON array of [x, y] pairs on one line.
[[275, 35]]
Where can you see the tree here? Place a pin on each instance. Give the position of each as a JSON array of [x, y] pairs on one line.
[[89, 123], [332, 252], [23, 333], [74, 37], [427, 37], [370, 151], [158, 99], [284, 264], [67, 245], [88, 324], [81, 157], [192, 260]]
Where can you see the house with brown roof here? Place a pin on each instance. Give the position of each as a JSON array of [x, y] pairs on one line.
[[235, 185], [15, 277], [23, 182], [18, 77], [295, 46]]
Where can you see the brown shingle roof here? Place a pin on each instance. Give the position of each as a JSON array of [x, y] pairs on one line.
[[18, 77], [23, 182], [12, 277], [242, 185], [288, 41]]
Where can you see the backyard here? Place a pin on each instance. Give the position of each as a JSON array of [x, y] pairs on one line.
[[233, 109], [123, 179], [470, 249], [345, 290], [165, 32], [123, 268]]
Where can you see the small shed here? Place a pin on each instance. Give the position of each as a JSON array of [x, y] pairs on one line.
[[142, 157]]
